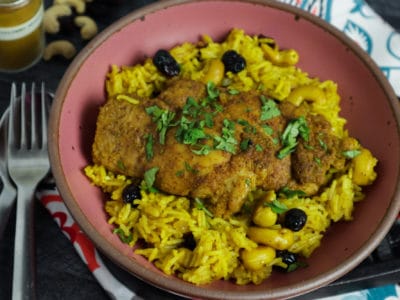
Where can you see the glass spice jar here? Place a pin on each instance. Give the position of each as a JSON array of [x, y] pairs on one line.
[[21, 34]]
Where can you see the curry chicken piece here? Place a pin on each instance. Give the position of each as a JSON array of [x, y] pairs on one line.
[[222, 179]]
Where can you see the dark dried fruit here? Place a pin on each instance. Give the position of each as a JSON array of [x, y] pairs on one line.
[[287, 256], [189, 241], [295, 219], [290, 259], [130, 193], [233, 61], [165, 63]]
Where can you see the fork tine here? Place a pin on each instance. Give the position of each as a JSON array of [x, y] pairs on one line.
[[34, 139], [13, 99], [43, 114], [23, 137]]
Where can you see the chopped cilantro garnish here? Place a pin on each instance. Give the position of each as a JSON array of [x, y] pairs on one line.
[[294, 266], [247, 126], [203, 150], [212, 90], [190, 169], [149, 179], [149, 147], [245, 144], [180, 173], [269, 109], [259, 148], [121, 165], [291, 193], [189, 132], [200, 205], [227, 141], [267, 129], [296, 127], [193, 135], [277, 206], [125, 239], [317, 161], [322, 143], [233, 92], [191, 107], [351, 153], [208, 120], [163, 119]]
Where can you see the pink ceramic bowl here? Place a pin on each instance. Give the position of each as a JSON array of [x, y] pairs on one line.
[[368, 102]]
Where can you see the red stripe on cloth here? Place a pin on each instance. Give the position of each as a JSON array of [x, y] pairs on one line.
[[46, 199], [79, 239]]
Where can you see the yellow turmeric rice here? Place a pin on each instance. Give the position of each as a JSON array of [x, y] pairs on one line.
[[162, 223]]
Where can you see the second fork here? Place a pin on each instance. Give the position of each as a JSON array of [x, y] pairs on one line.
[[28, 164]]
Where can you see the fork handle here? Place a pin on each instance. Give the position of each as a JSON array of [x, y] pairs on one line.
[[24, 248]]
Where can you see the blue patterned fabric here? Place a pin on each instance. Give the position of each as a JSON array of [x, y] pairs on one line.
[[359, 22], [387, 292]]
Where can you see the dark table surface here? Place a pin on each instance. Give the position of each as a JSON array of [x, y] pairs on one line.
[[60, 272]]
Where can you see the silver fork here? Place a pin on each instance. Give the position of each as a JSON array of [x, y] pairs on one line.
[[8, 194], [28, 164]]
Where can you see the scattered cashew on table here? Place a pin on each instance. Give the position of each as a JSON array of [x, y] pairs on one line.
[[51, 24]]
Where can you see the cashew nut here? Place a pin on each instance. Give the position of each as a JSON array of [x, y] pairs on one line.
[[79, 5], [215, 71], [88, 27], [51, 15], [278, 57], [60, 47], [363, 168], [306, 92]]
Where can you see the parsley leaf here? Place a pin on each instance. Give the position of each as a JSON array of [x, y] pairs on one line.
[[296, 265], [191, 108], [163, 119], [227, 141], [248, 128], [295, 127], [190, 169], [233, 91], [189, 132], [203, 150], [125, 239], [200, 205], [149, 147], [322, 143], [277, 206], [267, 129], [121, 165], [245, 144], [149, 179], [269, 109], [351, 153], [291, 193], [318, 161], [212, 90]]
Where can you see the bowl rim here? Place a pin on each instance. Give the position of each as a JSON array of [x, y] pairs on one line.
[[180, 287]]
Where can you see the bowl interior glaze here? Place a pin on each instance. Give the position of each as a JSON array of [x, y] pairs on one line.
[[368, 103]]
